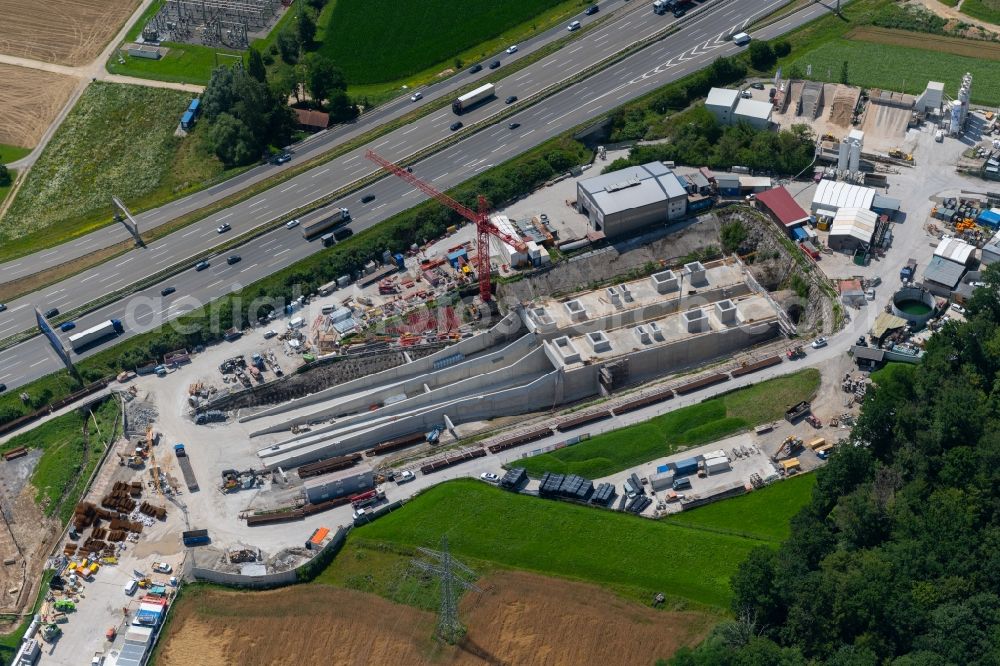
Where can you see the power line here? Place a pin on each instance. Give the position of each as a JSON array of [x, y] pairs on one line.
[[453, 577]]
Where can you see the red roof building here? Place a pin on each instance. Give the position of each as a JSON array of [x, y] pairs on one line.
[[782, 207], [312, 121]]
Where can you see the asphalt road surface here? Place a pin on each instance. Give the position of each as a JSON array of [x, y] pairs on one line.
[[701, 41]]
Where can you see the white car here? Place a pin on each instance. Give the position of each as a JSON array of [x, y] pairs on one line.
[[405, 476], [270, 334], [819, 342], [162, 567], [512, 49], [870, 294], [489, 477], [416, 96], [291, 224], [958, 308]]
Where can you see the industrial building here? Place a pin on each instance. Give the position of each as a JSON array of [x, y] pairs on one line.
[[338, 484], [931, 99], [956, 250], [783, 208], [721, 102], [942, 275], [629, 199], [546, 353], [729, 108], [852, 229], [754, 113], [832, 195], [991, 251]]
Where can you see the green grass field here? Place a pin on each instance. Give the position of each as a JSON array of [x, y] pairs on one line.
[[679, 429], [62, 472], [691, 559], [984, 10], [417, 37], [891, 67], [761, 515], [184, 63], [10, 153], [117, 140]]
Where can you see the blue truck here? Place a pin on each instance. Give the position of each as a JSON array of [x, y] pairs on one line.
[[907, 272]]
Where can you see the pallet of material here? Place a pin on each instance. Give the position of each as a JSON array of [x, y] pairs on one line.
[[438, 465], [702, 383], [310, 509], [328, 465], [276, 517], [519, 439], [582, 419], [754, 367], [394, 444], [638, 403], [15, 453]]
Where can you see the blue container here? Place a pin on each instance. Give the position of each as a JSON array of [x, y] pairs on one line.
[[685, 467], [187, 120], [662, 468]]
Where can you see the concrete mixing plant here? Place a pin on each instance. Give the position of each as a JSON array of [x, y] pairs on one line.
[[960, 107]]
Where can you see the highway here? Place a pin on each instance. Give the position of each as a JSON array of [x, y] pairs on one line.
[[701, 41]]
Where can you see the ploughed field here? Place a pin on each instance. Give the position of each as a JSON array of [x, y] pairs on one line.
[[66, 32]]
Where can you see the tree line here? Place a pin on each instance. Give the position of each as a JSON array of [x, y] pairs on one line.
[[896, 559]]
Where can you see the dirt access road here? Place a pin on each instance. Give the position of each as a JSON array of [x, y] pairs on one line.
[[521, 618]]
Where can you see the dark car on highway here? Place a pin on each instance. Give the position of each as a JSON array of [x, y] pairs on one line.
[[368, 198], [2, 307], [166, 291], [475, 68], [201, 265], [591, 10], [67, 326], [494, 64], [3, 387], [511, 99], [513, 126], [234, 259], [282, 158], [455, 126], [678, 13], [51, 312]]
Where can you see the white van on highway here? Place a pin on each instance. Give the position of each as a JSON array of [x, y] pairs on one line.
[[741, 38], [575, 25]]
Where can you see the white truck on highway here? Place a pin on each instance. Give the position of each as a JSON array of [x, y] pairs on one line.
[[470, 99], [95, 333], [311, 229]]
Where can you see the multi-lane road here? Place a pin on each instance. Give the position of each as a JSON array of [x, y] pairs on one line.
[[701, 39]]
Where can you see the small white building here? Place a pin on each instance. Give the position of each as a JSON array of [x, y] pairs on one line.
[[754, 113], [721, 102], [852, 228]]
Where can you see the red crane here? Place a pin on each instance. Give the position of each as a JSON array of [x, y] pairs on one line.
[[484, 225]]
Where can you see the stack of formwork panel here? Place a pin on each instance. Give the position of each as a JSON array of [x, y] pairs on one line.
[[152, 510], [135, 489], [119, 498], [84, 515], [69, 549]]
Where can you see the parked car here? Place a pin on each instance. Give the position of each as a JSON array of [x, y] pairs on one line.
[[201, 265], [234, 259], [513, 126], [757, 86], [511, 99], [166, 291], [591, 10], [455, 126], [223, 228], [494, 64], [512, 48], [291, 224], [162, 567], [958, 308], [368, 198], [2, 307], [416, 96], [405, 476], [270, 334], [489, 477], [51, 312], [870, 294], [819, 342], [475, 68], [67, 326]]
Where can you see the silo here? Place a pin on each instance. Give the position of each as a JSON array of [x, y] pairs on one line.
[[843, 154]]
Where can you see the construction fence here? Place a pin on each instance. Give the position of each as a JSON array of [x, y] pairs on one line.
[[302, 573]]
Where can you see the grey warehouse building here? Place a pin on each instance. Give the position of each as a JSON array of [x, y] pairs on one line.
[[626, 200]]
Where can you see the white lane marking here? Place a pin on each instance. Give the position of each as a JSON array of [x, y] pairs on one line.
[[248, 268], [257, 203], [90, 277], [352, 159], [193, 231], [525, 75], [224, 217], [576, 49], [290, 187], [287, 249], [320, 173], [44, 360], [124, 262], [415, 127]]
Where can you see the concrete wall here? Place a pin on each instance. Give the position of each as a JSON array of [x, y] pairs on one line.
[[633, 219], [507, 329], [412, 387]]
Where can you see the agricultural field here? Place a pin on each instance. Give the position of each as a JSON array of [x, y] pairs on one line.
[[67, 32], [520, 618], [429, 35], [891, 67], [30, 99], [125, 136], [679, 429], [612, 549], [984, 10]]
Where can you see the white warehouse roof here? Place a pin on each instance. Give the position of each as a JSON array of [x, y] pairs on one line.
[[633, 187], [858, 223], [835, 194], [751, 108], [954, 249], [722, 97]]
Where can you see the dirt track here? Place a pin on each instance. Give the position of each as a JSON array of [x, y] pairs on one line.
[[970, 48], [521, 619], [30, 100], [68, 32]]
